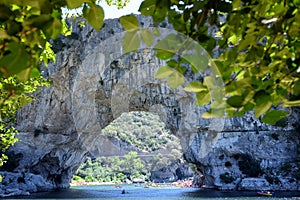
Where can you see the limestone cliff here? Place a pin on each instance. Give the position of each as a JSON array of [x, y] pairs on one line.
[[248, 160], [94, 82]]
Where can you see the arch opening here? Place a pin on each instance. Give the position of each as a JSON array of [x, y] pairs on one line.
[[136, 147]]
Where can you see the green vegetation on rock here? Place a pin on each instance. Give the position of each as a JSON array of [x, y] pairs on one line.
[[14, 94], [112, 169], [143, 130]]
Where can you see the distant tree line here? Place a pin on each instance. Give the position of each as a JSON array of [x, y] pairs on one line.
[[120, 169]]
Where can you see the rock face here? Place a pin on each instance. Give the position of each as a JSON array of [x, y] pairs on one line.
[[95, 81], [172, 173], [266, 158]]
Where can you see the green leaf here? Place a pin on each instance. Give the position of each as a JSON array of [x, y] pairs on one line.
[[53, 28], [156, 32], [160, 12], [10, 2], [209, 81], [249, 40], [164, 72], [262, 103], [213, 114], [131, 41], [147, 37], [232, 54], [24, 74], [175, 80], [17, 60], [94, 16], [147, 7], [236, 4], [297, 2], [296, 88], [40, 21], [164, 54], [14, 28], [248, 107], [129, 22], [235, 101], [195, 86], [274, 116], [233, 39], [3, 35], [218, 105], [5, 12], [203, 98], [35, 73], [173, 63], [197, 62], [75, 3], [41, 5], [172, 42]]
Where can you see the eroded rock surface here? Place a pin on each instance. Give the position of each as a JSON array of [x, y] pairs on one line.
[[242, 159], [172, 173]]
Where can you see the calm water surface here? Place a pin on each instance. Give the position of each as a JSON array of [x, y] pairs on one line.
[[162, 193]]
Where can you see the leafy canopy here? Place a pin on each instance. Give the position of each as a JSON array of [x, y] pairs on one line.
[[255, 45]]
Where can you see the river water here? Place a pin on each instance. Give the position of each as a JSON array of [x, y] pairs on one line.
[[162, 193]]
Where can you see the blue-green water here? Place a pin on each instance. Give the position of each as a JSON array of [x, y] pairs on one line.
[[162, 193]]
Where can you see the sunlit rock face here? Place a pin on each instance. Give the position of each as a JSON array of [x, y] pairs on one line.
[[94, 82], [249, 155]]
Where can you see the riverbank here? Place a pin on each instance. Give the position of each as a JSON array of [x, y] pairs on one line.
[[84, 183], [179, 183]]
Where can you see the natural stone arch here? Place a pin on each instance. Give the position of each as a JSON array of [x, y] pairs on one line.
[[62, 125], [54, 130], [110, 82]]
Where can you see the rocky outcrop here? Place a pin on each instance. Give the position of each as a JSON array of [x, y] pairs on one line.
[[172, 173], [95, 81], [249, 160], [17, 184]]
